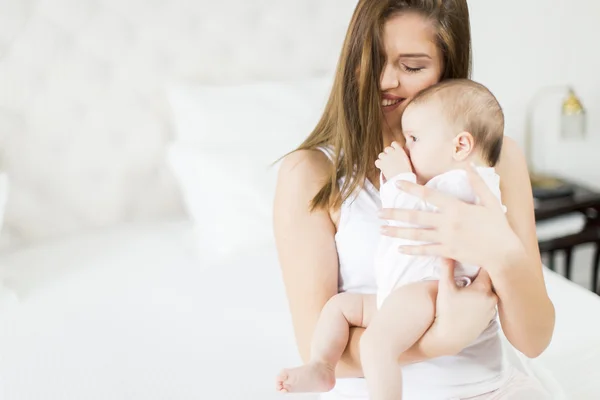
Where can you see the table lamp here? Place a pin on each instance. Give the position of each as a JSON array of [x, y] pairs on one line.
[[572, 126], [573, 123]]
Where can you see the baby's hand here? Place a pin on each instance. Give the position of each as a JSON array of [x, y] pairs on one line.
[[393, 161]]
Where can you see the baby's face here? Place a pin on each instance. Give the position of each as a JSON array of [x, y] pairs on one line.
[[428, 140]]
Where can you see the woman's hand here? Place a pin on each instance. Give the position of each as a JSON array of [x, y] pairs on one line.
[[462, 313], [474, 234], [453, 302]]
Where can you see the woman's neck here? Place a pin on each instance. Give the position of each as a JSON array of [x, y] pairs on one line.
[[390, 136]]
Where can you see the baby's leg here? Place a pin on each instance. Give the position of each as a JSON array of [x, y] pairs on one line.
[[403, 318], [343, 311], [329, 341]]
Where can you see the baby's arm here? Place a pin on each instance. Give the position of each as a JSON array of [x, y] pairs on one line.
[[395, 166], [393, 197], [330, 338]]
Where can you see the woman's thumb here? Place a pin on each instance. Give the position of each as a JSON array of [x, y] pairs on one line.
[[447, 275]]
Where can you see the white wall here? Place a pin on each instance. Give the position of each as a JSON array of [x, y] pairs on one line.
[[522, 46], [84, 120]]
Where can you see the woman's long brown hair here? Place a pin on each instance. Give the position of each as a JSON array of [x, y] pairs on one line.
[[352, 121]]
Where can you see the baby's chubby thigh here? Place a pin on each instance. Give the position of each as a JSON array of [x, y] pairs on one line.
[[358, 309], [405, 315]]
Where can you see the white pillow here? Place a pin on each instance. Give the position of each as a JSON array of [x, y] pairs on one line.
[[227, 139], [248, 114], [228, 195]]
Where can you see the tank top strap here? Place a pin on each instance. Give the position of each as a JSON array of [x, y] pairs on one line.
[[327, 150]]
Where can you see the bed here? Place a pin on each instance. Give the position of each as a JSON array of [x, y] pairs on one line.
[[131, 313]]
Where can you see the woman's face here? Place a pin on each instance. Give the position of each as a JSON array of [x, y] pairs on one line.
[[413, 63]]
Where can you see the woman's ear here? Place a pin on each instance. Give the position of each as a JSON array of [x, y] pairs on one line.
[[463, 146]]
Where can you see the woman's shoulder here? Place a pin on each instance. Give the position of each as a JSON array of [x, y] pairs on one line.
[[511, 151], [307, 168], [512, 159], [301, 176]]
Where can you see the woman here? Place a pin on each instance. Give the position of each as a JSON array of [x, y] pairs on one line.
[[327, 224]]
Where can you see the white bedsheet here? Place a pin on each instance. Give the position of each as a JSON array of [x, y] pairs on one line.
[[130, 314], [573, 357]]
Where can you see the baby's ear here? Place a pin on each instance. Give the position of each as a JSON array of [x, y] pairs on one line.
[[463, 146]]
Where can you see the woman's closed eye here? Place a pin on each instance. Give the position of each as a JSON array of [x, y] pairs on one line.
[[411, 69], [412, 138]]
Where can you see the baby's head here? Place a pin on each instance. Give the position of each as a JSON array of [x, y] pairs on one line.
[[450, 124]]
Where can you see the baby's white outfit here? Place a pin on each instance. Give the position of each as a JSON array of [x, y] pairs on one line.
[[392, 268]]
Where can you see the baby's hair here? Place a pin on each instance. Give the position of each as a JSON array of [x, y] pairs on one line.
[[471, 107]]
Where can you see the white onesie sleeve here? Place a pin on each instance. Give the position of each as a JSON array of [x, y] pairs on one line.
[[393, 268], [393, 197]]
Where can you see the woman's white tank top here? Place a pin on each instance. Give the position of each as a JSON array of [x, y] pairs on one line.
[[478, 369]]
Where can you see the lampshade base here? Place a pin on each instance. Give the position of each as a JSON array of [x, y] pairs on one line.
[[549, 187]]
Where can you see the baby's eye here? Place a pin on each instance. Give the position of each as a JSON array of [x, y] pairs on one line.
[[412, 138]]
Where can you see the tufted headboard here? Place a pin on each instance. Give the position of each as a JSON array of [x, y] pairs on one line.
[[83, 116]]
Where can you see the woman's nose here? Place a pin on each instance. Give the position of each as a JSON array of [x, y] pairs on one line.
[[389, 78]]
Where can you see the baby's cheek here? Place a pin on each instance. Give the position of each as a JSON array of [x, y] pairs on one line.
[[416, 158], [423, 165]]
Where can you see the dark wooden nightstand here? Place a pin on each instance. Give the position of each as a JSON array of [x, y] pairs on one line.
[[583, 200]]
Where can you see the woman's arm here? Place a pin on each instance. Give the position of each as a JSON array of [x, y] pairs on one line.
[[526, 312], [305, 242]]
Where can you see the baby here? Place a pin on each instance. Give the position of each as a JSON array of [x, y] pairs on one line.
[[447, 127]]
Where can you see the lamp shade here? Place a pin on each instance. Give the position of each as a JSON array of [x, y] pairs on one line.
[[573, 117]]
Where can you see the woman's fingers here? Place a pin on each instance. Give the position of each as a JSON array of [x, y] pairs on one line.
[[424, 250], [426, 219], [447, 276], [431, 196], [483, 280], [484, 283], [416, 234]]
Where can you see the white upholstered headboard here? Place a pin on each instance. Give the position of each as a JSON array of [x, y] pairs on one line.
[[83, 117]]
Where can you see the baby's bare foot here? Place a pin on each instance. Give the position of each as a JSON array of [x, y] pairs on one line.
[[313, 377], [393, 161]]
